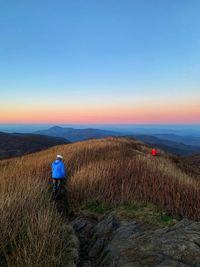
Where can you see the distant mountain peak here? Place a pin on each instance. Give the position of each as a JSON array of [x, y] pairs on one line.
[[56, 127], [74, 135]]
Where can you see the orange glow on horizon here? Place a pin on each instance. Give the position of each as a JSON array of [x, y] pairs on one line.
[[146, 111], [176, 113]]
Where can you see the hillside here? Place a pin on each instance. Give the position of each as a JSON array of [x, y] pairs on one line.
[[193, 162], [136, 195], [174, 144], [193, 140], [174, 147], [75, 135], [99, 168], [12, 145]]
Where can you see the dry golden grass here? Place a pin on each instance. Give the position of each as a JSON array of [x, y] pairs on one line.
[[120, 170], [112, 170], [117, 170], [32, 231]]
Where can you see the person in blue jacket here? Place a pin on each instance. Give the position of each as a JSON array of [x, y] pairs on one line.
[[58, 172]]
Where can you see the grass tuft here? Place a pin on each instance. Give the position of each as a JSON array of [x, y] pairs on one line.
[[96, 207]]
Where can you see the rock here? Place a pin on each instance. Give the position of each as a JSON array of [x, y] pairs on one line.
[[154, 248], [171, 263], [111, 242], [96, 248], [106, 226], [87, 264], [79, 223]]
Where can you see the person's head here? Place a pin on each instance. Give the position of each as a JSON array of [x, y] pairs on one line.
[[59, 157]]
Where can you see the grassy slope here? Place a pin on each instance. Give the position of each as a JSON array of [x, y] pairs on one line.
[[32, 231], [118, 170], [193, 163], [113, 171]]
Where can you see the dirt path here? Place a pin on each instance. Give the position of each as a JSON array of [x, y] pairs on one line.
[[88, 225]]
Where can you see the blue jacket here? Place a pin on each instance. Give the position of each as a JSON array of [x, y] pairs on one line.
[[58, 169]]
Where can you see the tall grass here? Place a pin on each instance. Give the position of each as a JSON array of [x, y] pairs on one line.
[[112, 170], [32, 231], [116, 171]]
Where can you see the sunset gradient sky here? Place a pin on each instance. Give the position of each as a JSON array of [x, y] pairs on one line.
[[100, 61]]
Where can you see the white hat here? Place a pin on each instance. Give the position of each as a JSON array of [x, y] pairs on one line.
[[59, 156]]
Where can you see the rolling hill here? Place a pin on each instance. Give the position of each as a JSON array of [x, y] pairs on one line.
[[75, 135], [192, 140], [176, 148], [12, 145], [142, 197], [193, 163], [174, 144]]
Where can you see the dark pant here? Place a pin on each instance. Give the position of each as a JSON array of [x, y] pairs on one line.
[[57, 183]]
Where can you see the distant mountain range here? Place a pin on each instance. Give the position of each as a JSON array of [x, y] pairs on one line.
[[75, 135], [16, 144], [187, 139], [177, 148], [178, 145]]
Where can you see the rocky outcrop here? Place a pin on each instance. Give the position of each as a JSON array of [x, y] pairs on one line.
[[111, 242]]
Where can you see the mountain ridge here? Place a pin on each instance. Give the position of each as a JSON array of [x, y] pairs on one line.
[[145, 202], [75, 135], [177, 147], [17, 144]]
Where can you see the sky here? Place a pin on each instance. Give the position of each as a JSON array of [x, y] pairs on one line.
[[100, 61]]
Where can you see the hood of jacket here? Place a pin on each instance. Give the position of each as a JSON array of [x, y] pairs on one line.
[[57, 161]]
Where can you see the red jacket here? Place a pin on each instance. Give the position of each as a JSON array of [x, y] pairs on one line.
[[154, 152]]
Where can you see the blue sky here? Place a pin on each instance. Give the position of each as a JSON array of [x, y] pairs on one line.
[[115, 54]]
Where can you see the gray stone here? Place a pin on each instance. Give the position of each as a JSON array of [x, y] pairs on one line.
[[96, 248], [171, 263], [111, 242]]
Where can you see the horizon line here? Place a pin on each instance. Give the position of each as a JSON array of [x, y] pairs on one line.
[[57, 124]]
